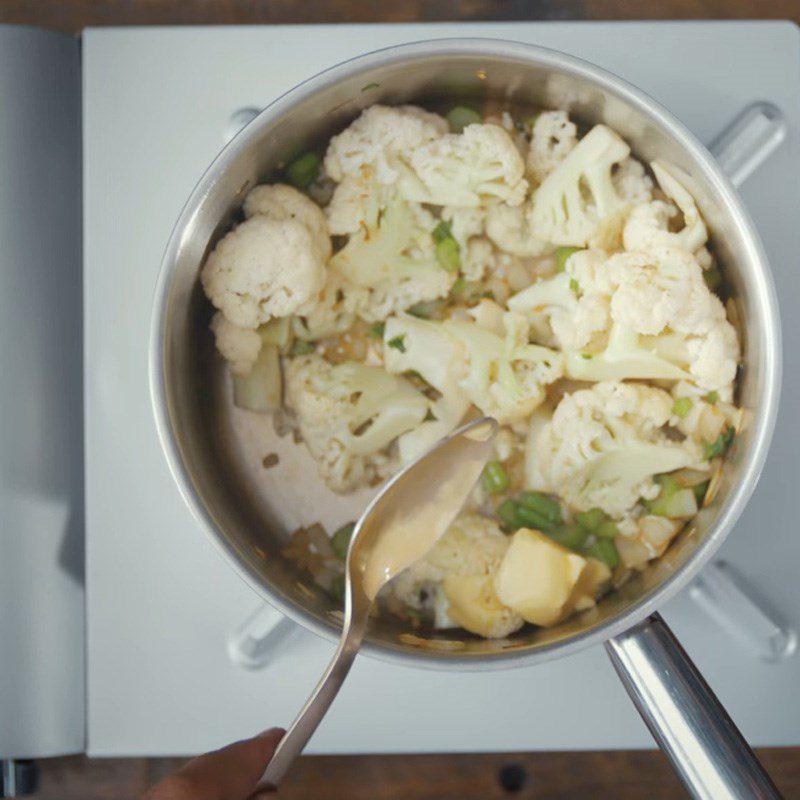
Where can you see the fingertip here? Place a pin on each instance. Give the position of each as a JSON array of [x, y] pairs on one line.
[[271, 733]]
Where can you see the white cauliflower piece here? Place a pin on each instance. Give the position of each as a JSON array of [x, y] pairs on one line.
[[281, 202], [574, 198], [464, 223], [463, 561], [654, 310], [428, 349], [575, 321], [377, 137], [603, 446], [263, 268], [348, 415], [238, 346], [478, 259], [648, 225], [332, 311], [505, 377], [356, 202], [395, 261], [553, 136], [465, 169], [510, 228], [632, 182]]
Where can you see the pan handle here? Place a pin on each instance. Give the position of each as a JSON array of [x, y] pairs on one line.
[[685, 717]]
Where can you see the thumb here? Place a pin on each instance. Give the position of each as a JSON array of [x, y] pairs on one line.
[[232, 772]]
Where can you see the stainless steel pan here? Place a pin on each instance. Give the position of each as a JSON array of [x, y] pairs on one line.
[[215, 452]]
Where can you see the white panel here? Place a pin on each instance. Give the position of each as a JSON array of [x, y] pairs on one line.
[[162, 604]]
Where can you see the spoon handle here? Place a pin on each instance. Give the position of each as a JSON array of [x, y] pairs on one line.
[[306, 722]]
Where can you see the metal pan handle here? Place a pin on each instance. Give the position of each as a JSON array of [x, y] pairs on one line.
[[685, 717]]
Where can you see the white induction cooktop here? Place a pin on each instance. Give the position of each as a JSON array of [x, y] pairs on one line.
[[162, 606]]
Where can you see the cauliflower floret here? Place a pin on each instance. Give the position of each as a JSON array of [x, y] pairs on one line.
[[280, 202], [428, 349], [517, 134], [631, 181], [505, 377], [511, 230], [464, 561], [478, 259], [238, 346], [395, 261], [356, 202], [573, 199], [464, 223], [348, 415], [377, 137], [263, 268], [552, 138], [332, 311], [648, 225], [465, 169], [603, 446], [575, 321], [659, 318]]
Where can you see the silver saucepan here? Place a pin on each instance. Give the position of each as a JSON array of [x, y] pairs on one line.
[[248, 512]]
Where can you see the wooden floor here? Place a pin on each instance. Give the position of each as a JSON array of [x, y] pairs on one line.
[[628, 775]]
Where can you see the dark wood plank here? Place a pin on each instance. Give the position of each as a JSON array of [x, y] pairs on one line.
[[619, 775], [73, 15], [691, 9]]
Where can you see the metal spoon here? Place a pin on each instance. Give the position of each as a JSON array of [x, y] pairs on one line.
[[398, 527]]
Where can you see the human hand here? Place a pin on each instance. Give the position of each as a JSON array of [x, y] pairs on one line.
[[227, 774]]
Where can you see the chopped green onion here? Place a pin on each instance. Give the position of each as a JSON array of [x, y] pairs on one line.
[[336, 589], [507, 511], [429, 416], [712, 398], [426, 309], [713, 278], [302, 348], [700, 490], [572, 537], [586, 356], [720, 445], [562, 254], [682, 406], [459, 117], [447, 254], [413, 613], [303, 171], [468, 291], [494, 479], [376, 330], [589, 520], [604, 550], [574, 286], [340, 540], [370, 86], [442, 231], [674, 501], [607, 529], [398, 343], [530, 518], [549, 508], [531, 120]]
